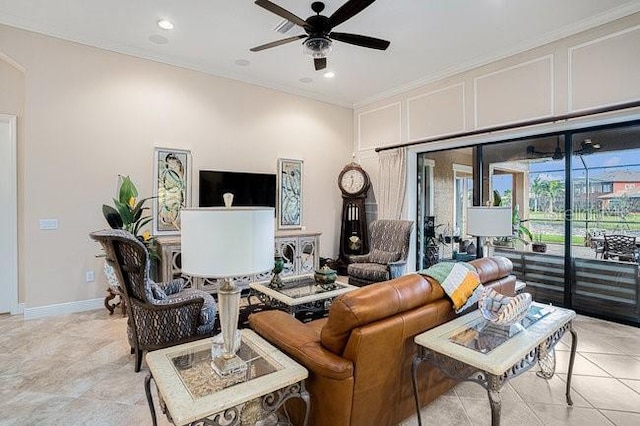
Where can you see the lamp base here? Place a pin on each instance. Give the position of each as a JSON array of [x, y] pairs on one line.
[[226, 366]]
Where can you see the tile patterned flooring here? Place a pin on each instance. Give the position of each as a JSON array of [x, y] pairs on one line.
[[77, 369]]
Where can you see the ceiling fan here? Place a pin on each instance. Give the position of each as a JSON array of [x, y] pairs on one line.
[[586, 147], [319, 35]]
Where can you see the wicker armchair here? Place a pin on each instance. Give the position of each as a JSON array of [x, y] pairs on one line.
[[160, 314], [387, 257]]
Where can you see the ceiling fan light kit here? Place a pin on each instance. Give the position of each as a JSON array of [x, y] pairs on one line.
[[317, 47], [319, 37], [586, 147]]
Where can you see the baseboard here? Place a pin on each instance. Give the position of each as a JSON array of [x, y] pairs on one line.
[[19, 309], [63, 308]]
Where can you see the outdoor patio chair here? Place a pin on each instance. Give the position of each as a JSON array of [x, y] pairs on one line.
[[595, 240], [622, 247]]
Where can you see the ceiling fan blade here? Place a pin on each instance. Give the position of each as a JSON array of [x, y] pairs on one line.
[[320, 63], [274, 8], [360, 40], [277, 43], [348, 10]]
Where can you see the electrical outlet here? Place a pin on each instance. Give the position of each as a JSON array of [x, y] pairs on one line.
[[90, 276]]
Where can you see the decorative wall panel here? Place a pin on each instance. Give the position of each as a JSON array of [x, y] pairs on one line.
[[520, 92], [380, 127], [605, 71], [436, 113]]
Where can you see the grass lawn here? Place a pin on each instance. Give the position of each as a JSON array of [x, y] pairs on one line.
[[630, 222], [559, 239]]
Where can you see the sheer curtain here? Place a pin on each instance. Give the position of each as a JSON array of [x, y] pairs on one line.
[[392, 177]]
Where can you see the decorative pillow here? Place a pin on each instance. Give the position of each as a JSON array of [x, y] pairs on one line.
[[157, 291], [383, 257], [174, 286]]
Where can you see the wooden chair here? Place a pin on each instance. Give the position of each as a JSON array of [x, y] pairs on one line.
[[622, 247]]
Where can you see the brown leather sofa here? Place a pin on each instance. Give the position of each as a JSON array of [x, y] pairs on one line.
[[359, 357]]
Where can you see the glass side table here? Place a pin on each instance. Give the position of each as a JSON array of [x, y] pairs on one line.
[[470, 348], [191, 392]]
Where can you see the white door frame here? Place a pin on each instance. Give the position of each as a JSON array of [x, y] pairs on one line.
[[13, 210], [458, 170]]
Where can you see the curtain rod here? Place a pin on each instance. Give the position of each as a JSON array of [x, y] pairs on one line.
[[525, 123]]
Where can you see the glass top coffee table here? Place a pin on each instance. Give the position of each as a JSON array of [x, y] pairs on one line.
[[190, 391], [300, 294], [470, 348]]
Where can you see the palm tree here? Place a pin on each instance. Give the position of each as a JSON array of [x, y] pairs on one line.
[[554, 188], [538, 188]]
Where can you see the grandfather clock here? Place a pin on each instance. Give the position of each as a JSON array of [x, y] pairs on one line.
[[354, 183]]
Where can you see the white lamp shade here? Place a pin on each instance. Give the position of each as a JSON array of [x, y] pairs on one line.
[[227, 242], [489, 221]]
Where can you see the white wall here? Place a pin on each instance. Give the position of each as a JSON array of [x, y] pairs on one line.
[[91, 114]]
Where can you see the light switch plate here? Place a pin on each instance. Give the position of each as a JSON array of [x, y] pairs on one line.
[[48, 224]]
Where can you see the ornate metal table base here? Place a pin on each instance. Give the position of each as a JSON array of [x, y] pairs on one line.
[[543, 355], [247, 413]]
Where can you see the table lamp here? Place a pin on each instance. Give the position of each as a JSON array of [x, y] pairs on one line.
[[489, 222], [227, 242]]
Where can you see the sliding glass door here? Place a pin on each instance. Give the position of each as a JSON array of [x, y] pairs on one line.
[[575, 202], [427, 252], [445, 191], [605, 212], [528, 176]]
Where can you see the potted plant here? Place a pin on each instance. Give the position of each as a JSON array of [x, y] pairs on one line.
[[128, 214], [538, 246], [521, 233]]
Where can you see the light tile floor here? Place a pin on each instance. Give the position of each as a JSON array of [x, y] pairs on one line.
[[77, 370]]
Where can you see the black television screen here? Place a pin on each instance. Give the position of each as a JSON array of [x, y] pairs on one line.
[[249, 189]]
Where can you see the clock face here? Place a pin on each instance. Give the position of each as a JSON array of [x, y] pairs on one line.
[[352, 181]]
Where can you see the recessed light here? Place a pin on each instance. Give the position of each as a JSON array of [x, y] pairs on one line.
[[329, 74], [305, 80], [165, 24], [242, 62]]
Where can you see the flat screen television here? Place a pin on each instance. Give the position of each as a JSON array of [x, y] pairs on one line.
[[249, 189]]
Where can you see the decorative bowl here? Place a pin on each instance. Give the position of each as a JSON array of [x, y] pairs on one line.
[[503, 310], [325, 275]]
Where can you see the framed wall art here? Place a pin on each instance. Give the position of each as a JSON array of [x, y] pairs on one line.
[[289, 193], [171, 188]]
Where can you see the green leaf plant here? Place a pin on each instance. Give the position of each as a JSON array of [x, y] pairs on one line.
[[520, 231], [128, 214]]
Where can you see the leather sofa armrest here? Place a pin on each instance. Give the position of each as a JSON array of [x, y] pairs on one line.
[[492, 268], [505, 285], [301, 342], [359, 258]]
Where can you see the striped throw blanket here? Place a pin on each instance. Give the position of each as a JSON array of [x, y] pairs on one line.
[[459, 280]]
